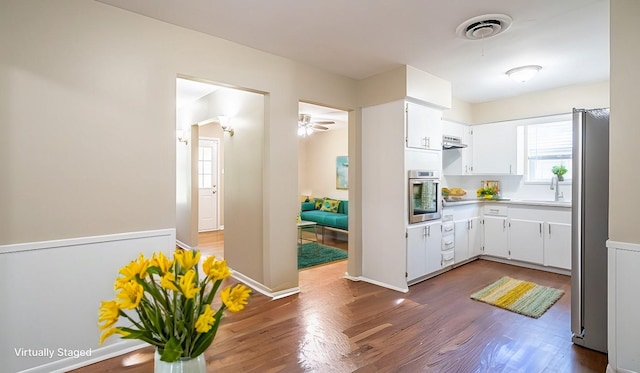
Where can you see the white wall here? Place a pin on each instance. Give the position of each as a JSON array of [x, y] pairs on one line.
[[51, 292], [553, 101], [624, 129], [88, 142], [317, 163]]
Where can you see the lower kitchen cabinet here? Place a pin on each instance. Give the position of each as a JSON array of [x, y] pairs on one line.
[[461, 250], [557, 245], [475, 237], [423, 250], [540, 235], [527, 240], [496, 236]]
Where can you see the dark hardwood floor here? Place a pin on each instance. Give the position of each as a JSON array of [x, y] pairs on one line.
[[337, 325]]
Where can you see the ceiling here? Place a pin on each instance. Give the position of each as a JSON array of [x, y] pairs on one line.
[[360, 38]]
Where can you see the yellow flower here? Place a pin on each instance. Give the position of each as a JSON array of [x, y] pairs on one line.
[[235, 298], [187, 258], [136, 267], [205, 321], [130, 295], [187, 284], [109, 313], [161, 261], [168, 281], [109, 332], [215, 269]]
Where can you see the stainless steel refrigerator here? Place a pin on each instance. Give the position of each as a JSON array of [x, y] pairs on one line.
[[590, 221]]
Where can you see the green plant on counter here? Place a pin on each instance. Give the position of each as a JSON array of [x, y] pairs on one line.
[[486, 192], [559, 171]]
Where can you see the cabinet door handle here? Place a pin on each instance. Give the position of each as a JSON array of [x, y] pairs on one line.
[[549, 229], [540, 229], [448, 243]]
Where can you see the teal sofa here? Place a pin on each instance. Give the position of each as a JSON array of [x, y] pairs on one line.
[[326, 219]]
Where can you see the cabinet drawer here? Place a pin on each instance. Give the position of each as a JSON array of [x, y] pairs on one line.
[[447, 228], [448, 242], [496, 210], [448, 257]]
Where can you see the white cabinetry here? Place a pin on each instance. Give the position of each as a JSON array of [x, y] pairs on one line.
[[458, 161], [496, 236], [466, 220], [526, 240], [528, 233], [496, 232], [557, 245], [461, 250], [424, 127], [423, 250], [495, 149], [475, 237]]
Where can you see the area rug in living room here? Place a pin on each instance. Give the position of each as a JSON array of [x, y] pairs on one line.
[[313, 254], [523, 297]]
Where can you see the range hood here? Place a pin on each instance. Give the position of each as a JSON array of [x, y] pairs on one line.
[[452, 142]]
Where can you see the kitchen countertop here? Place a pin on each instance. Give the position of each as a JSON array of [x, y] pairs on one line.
[[468, 201]]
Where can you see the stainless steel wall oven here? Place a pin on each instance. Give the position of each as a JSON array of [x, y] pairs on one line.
[[424, 196]]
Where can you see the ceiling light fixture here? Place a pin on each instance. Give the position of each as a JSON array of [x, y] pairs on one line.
[[523, 73], [304, 125]]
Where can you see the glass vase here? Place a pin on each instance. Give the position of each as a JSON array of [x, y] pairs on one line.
[[184, 365]]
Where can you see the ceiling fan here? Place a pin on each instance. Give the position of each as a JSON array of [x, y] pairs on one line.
[[306, 126]]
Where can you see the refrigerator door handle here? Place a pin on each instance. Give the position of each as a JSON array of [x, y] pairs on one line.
[[577, 295]]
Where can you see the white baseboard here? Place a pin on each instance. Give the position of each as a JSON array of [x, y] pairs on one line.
[[183, 245], [375, 282], [560, 271], [255, 285], [97, 355]]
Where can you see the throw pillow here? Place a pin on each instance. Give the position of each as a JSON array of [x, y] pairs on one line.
[[330, 205], [319, 203]]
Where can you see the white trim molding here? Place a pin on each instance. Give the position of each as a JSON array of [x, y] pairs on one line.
[[255, 285], [623, 307]]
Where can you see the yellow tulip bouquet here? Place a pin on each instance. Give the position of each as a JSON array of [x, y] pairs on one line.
[[171, 305]]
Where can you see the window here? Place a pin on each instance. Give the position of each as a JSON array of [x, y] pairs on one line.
[[547, 145]]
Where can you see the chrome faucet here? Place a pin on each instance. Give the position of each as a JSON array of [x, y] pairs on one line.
[[554, 186]]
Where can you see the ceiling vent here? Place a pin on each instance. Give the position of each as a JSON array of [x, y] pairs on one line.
[[483, 27]]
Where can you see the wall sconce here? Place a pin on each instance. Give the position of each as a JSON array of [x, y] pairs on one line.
[[181, 137], [225, 123], [523, 73]]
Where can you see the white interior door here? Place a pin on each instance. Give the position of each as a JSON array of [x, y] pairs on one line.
[[208, 185]]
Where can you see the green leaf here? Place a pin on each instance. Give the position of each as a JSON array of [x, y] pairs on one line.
[[154, 270], [172, 351]]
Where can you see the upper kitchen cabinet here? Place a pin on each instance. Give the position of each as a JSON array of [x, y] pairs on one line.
[[457, 160], [424, 127], [495, 149]]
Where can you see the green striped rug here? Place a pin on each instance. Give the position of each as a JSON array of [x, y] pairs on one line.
[[523, 297]]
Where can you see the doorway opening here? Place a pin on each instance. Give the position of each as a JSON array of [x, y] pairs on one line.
[[215, 125], [323, 148]]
